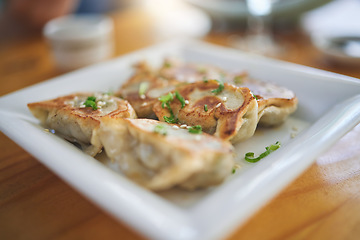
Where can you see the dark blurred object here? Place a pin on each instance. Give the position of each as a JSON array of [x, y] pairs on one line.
[[231, 14], [101, 6], [36, 13], [20, 18]]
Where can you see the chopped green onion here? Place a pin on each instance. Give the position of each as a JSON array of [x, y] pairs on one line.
[[238, 79], [201, 70], [144, 86], [205, 107], [167, 64], [205, 79], [91, 102], [91, 98], [254, 96], [166, 98], [233, 170], [180, 98], [165, 101], [170, 119], [161, 129], [220, 87], [195, 129], [250, 155]]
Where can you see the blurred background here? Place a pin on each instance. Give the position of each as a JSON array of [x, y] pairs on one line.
[[319, 33]]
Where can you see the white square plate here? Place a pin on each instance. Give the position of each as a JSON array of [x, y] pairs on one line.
[[329, 106]]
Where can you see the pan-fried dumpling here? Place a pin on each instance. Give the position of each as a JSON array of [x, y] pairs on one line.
[[227, 111], [144, 88], [76, 117], [159, 156], [189, 72], [275, 103]]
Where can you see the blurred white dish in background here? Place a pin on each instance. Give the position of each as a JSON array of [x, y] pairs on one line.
[[284, 11], [80, 40], [339, 49], [335, 31], [176, 19], [340, 17]]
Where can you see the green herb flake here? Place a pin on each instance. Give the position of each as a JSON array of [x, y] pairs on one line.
[[160, 129], [233, 171], [166, 99], [167, 65], [195, 129], [220, 87], [205, 80], [201, 70], [170, 119], [206, 108], [254, 96], [180, 98], [109, 93], [238, 79], [91, 102], [250, 155], [144, 86], [91, 98]]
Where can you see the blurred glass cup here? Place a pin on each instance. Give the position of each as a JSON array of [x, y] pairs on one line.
[[80, 40], [258, 36]]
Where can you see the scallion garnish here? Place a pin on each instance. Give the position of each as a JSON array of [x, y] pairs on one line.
[[165, 101], [195, 129], [161, 129], [91, 98], [166, 98], [170, 119], [220, 87], [143, 88], [180, 98], [206, 108], [238, 79], [250, 155], [167, 64], [201, 70], [205, 80], [254, 96], [91, 102]]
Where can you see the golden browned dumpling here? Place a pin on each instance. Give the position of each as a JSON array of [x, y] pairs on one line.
[[76, 117], [159, 156], [144, 88], [275, 103], [189, 72], [227, 111]]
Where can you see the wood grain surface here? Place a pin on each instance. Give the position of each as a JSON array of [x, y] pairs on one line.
[[323, 203]]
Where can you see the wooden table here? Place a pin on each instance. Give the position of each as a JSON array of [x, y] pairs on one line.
[[323, 203]]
